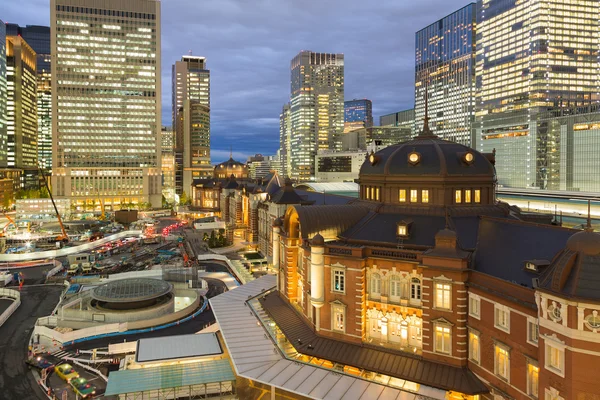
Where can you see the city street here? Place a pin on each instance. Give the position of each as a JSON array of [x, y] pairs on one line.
[[15, 379]]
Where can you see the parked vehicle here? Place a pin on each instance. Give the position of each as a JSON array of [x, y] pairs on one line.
[[82, 388], [66, 372]]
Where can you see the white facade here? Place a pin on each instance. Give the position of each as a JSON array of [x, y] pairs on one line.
[[42, 208], [106, 90]]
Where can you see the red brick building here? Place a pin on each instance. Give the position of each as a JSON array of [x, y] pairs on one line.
[[429, 282]]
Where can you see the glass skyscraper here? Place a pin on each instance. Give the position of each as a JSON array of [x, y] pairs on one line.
[[445, 69], [191, 96], [106, 117], [38, 37], [285, 140], [532, 57], [358, 113], [3, 96], [317, 109]]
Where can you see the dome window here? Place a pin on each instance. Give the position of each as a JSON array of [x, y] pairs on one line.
[[414, 158], [468, 158], [402, 229], [373, 158]]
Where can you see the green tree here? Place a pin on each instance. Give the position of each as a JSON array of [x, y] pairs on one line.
[[205, 237], [212, 241], [184, 199]]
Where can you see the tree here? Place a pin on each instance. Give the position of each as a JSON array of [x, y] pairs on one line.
[[184, 199], [222, 240], [212, 241], [205, 237], [165, 203]]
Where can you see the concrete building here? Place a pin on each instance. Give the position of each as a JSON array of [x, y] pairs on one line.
[[358, 113], [445, 70], [405, 118], [317, 109], [168, 163], [427, 271], [531, 59], [22, 103], [382, 136], [38, 37], [112, 104], [191, 97], [3, 97], [338, 166], [260, 166], [285, 140]]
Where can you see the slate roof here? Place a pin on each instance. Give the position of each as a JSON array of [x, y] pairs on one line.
[[503, 247], [325, 198], [575, 271], [368, 357], [438, 157], [329, 220]]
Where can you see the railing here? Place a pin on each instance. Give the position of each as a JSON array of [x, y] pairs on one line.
[[405, 255], [12, 294], [337, 250]]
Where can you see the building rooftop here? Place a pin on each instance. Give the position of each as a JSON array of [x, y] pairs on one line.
[[131, 290], [168, 376], [180, 346]]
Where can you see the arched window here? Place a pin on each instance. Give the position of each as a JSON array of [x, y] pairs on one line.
[[395, 286], [415, 289], [375, 284]]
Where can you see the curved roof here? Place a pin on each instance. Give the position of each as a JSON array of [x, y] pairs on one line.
[[131, 290], [437, 157], [329, 186], [231, 163], [575, 271], [329, 221]]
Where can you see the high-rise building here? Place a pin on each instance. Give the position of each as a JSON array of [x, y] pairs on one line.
[[168, 163], [405, 119], [38, 37], [106, 120], [532, 57], [22, 103], [285, 140], [445, 70], [3, 97], [317, 109], [358, 113], [191, 94]]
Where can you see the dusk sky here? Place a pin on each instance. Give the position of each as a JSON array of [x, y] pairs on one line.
[[249, 45]]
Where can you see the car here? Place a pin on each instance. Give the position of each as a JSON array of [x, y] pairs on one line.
[[66, 372], [40, 363], [82, 388]]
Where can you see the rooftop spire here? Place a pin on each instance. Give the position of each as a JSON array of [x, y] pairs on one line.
[[230, 151], [426, 132]]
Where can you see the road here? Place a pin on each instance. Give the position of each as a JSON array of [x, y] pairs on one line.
[[15, 380]]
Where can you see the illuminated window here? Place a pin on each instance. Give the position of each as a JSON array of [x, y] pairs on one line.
[[533, 372], [339, 280], [443, 295], [402, 195], [457, 196], [377, 194], [442, 339], [402, 229], [502, 317], [338, 316], [372, 193], [413, 195], [425, 196], [394, 286], [477, 195], [415, 289], [467, 196], [501, 361], [555, 357], [474, 347]]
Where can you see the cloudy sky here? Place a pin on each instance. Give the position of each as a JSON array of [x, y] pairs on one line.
[[249, 45]]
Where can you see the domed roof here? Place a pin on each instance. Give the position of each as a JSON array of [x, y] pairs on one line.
[[585, 242], [318, 240], [231, 163], [427, 155]]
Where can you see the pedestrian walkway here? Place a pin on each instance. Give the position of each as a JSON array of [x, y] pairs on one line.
[[62, 354]]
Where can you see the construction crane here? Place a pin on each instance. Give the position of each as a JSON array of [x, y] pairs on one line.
[[10, 222], [63, 237]]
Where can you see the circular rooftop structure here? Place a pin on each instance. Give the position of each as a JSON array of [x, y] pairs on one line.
[[132, 293], [427, 155]]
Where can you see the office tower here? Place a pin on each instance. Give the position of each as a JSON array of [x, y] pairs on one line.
[[38, 37], [168, 163], [106, 120], [358, 114], [191, 94], [317, 109], [445, 70], [405, 119], [285, 140], [532, 57], [3, 97], [21, 104]]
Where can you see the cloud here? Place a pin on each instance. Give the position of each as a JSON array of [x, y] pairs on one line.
[[249, 46]]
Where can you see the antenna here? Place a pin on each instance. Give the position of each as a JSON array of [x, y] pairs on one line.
[[190, 52], [230, 151]]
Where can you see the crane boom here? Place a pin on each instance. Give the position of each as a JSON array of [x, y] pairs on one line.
[[64, 236]]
